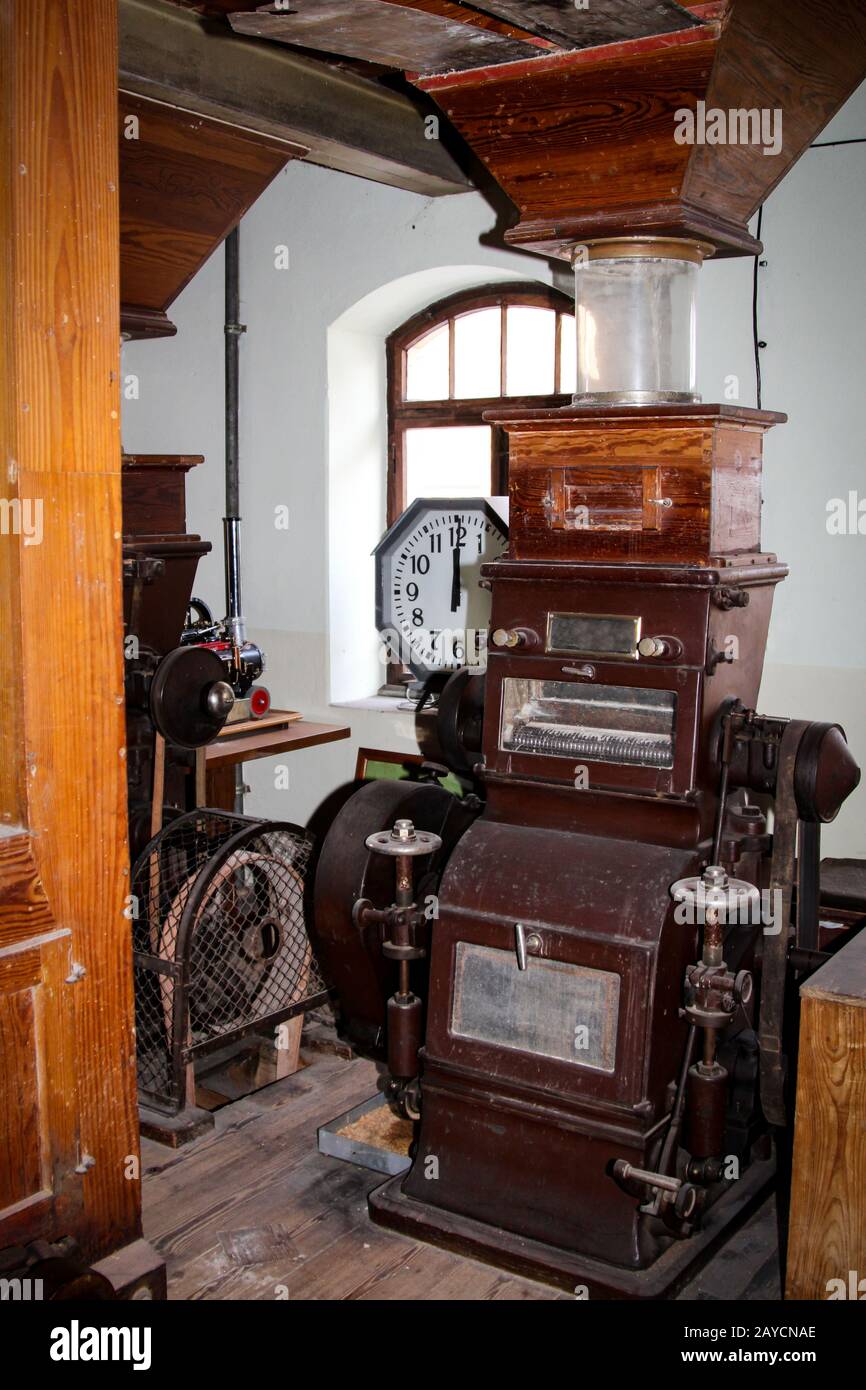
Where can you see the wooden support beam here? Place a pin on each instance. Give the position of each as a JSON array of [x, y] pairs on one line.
[[469, 14], [599, 22], [68, 1138], [605, 142], [397, 35], [346, 122], [450, 9], [185, 183], [827, 1242]]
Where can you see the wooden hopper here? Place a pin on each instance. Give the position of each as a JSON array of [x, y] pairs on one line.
[[585, 142]]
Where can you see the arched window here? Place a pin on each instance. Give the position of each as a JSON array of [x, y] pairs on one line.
[[503, 344]]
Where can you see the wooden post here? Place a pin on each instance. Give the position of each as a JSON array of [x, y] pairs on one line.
[[69, 1147], [827, 1244]]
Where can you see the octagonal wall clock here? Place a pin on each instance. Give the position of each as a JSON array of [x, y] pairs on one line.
[[431, 612]]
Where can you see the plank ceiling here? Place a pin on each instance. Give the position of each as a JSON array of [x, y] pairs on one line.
[[438, 36]]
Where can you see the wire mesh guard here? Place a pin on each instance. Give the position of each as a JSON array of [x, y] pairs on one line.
[[220, 941]]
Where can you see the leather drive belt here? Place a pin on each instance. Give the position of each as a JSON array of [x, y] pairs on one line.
[[775, 953]]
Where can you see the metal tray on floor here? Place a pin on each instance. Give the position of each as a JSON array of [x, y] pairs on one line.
[[354, 1149]]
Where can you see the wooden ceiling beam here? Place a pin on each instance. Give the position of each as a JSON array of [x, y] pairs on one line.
[[595, 143], [448, 9], [185, 183], [470, 14], [599, 22], [399, 35], [346, 122]]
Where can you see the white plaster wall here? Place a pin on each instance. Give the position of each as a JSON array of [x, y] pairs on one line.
[[362, 259]]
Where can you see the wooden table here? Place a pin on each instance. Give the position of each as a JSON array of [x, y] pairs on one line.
[[224, 754]]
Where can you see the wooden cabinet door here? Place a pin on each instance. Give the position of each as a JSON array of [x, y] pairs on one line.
[[39, 1141]]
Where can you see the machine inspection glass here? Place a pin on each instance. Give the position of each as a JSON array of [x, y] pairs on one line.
[[631, 726]]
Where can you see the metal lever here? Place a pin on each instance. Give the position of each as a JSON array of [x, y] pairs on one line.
[[670, 1195], [520, 945], [525, 945]]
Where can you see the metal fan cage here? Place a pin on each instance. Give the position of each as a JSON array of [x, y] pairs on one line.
[[220, 942]]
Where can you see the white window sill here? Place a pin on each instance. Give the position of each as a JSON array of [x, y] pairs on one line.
[[383, 704]]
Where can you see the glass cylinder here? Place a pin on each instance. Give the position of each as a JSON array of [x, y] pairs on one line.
[[636, 330]]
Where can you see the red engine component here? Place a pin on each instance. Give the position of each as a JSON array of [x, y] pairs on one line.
[[260, 701]]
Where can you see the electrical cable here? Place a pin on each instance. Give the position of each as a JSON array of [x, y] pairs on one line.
[[755, 312], [818, 145], [829, 144]]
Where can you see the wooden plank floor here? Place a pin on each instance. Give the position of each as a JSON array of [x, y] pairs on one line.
[[253, 1211]]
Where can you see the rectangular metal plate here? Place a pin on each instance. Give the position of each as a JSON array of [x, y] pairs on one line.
[[593, 634], [551, 1009]]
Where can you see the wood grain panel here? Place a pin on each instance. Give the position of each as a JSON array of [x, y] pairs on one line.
[[68, 165], [601, 22], [468, 14], [736, 509], [185, 182], [153, 489], [612, 498], [582, 141], [661, 491], [59, 305], [224, 752], [19, 970], [828, 1198], [586, 143], [395, 35], [12, 795], [458, 13], [21, 1139], [805, 58], [24, 909], [39, 1192]]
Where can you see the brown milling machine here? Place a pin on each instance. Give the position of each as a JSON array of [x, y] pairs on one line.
[[584, 982]]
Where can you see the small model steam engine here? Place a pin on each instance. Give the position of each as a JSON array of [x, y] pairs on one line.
[[244, 662]]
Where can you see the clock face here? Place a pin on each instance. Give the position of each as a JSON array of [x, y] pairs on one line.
[[431, 610]]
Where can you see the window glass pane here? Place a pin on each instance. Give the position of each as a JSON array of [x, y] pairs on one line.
[[477, 340], [427, 367], [531, 348], [452, 461], [568, 355]]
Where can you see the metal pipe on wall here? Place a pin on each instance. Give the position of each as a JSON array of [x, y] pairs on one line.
[[232, 519]]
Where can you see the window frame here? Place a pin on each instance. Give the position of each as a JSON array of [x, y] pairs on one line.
[[403, 414]]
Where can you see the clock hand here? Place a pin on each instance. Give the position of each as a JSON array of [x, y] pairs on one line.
[[455, 582]]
